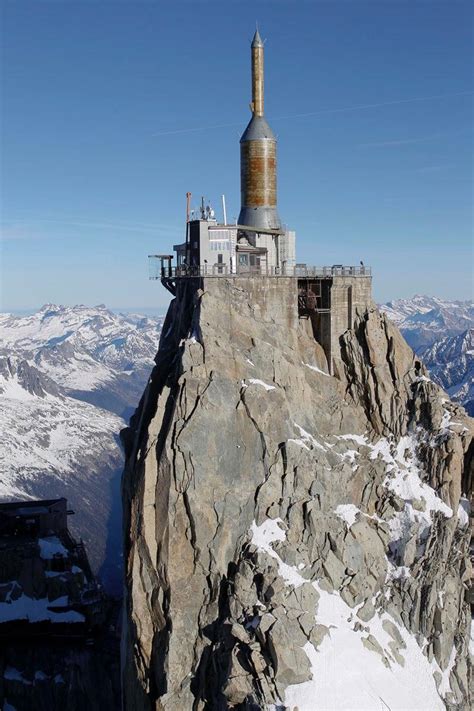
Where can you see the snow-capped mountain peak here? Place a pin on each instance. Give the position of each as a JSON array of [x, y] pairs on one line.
[[425, 319], [82, 348], [442, 333], [451, 364]]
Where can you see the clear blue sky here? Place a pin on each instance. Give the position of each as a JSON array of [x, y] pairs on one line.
[[111, 111]]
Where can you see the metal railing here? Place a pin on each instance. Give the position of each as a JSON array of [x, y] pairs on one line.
[[159, 271]]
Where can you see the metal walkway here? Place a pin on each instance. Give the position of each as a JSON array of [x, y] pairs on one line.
[[300, 271]]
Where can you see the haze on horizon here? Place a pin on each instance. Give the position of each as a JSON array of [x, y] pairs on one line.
[[111, 112]]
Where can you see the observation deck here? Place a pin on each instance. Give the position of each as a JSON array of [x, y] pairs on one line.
[[160, 268]]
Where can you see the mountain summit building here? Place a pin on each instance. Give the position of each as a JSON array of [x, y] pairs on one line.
[[258, 243], [260, 247]]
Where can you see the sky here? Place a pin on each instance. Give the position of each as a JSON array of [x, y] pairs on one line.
[[112, 111]]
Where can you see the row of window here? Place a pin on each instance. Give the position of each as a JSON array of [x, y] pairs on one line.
[[219, 246]]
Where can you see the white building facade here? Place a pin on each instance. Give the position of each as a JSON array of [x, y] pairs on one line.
[[218, 248]]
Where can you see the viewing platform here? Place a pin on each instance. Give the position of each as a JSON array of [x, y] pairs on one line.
[[160, 268]]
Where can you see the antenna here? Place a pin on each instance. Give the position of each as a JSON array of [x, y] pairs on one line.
[[188, 204], [203, 209], [224, 210]]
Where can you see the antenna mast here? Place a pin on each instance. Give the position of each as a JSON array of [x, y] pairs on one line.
[[224, 210], [188, 204]]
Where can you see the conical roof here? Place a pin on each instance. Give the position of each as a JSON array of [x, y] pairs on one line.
[[257, 130], [257, 40]]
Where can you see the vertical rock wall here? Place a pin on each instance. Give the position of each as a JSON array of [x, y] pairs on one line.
[[275, 515]]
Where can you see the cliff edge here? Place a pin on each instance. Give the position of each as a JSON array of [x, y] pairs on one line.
[[293, 539]]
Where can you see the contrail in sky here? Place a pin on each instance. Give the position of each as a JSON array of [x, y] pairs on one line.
[[344, 109]]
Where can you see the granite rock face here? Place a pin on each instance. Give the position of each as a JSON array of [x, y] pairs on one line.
[[283, 526]]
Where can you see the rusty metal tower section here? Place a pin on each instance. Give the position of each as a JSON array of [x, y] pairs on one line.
[[258, 164]]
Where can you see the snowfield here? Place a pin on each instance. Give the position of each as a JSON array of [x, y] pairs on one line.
[[56, 435], [349, 676], [349, 671]]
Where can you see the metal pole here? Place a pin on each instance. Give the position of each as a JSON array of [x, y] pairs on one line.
[[186, 250], [224, 210]]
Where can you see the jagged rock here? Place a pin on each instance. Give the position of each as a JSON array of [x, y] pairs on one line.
[[371, 643], [367, 611], [380, 368], [317, 634], [334, 570], [269, 507], [290, 662]]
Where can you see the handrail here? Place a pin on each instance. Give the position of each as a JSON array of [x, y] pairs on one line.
[[160, 271]]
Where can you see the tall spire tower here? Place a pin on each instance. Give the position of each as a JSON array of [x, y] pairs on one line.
[[258, 183]]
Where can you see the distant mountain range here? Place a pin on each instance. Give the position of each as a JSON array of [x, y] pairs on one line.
[[69, 379], [425, 319], [93, 354], [451, 364], [442, 333]]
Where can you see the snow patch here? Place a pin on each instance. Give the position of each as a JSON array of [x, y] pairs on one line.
[[37, 610], [51, 547], [464, 510], [396, 572], [256, 381], [316, 369], [11, 389], [308, 439], [348, 513], [12, 674], [266, 534], [360, 439], [403, 478]]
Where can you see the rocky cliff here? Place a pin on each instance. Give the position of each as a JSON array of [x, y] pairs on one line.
[[292, 539]]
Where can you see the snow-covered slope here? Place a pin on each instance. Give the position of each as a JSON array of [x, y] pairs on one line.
[[451, 364], [69, 377], [45, 432], [94, 354], [425, 319], [54, 445]]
